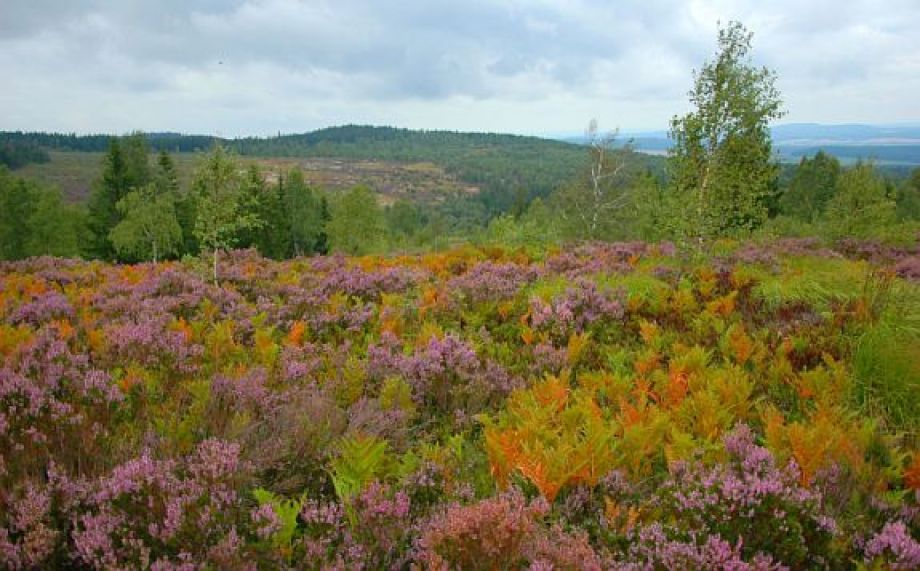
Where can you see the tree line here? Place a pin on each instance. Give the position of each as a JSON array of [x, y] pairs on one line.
[[138, 211], [721, 180]]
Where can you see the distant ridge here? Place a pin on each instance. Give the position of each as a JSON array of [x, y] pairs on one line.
[[886, 144]]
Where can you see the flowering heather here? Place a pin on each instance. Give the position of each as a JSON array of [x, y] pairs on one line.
[[162, 512], [54, 407], [598, 257], [895, 546], [872, 250], [150, 342], [488, 281], [654, 548], [577, 309], [752, 504], [473, 408], [28, 537], [369, 285], [908, 268], [51, 305], [445, 373], [377, 540]]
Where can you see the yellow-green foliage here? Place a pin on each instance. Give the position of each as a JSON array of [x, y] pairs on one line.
[[359, 461], [814, 280], [287, 511]]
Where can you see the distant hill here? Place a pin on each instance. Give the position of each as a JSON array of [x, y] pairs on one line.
[[496, 164]]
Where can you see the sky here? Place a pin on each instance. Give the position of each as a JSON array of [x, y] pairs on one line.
[[260, 67]]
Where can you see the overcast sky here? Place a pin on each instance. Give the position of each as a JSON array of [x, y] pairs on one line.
[[241, 67]]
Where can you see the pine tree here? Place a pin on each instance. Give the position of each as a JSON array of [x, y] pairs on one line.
[[321, 245], [166, 178], [16, 207], [812, 186], [861, 205], [304, 214], [125, 168]]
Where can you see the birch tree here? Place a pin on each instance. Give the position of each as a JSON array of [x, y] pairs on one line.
[[148, 228], [721, 164], [221, 210], [591, 207]]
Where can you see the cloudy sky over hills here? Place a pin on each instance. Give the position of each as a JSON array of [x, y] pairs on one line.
[[263, 66]]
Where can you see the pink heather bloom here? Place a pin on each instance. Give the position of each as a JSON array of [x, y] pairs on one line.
[[894, 545]]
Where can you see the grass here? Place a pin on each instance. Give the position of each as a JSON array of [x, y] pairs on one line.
[[814, 280], [886, 369]]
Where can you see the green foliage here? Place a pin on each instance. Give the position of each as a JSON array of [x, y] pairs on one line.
[[149, 228], [535, 228], [655, 210], [16, 208], [55, 227], [166, 176], [812, 186], [304, 214], [861, 206], [596, 204], [360, 460], [287, 511], [886, 372], [908, 198], [356, 226], [125, 168], [404, 220], [887, 376], [222, 212], [35, 220], [720, 165], [16, 154], [817, 281]]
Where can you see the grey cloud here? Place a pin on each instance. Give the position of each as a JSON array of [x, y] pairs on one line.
[[263, 65]]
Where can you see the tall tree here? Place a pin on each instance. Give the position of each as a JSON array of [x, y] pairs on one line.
[[861, 206], [811, 187], [220, 206], [137, 160], [125, 168], [908, 197], [593, 206], [325, 215], [252, 196], [304, 213], [16, 207], [403, 219], [166, 177], [654, 211], [721, 163], [357, 226], [35, 220], [273, 238], [148, 228], [55, 227]]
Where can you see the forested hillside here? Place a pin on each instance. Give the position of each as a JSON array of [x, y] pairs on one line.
[[497, 164]]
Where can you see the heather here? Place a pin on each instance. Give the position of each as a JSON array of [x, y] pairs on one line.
[[601, 406]]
